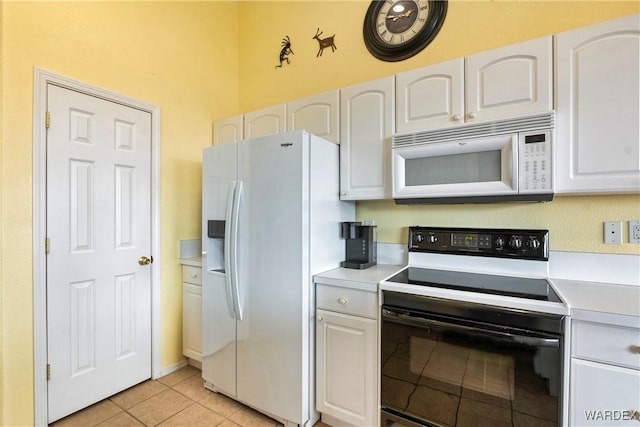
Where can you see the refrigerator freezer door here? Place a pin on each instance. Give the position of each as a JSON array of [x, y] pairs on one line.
[[218, 319], [273, 342]]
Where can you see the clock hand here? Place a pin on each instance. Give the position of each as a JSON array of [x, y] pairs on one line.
[[402, 15]]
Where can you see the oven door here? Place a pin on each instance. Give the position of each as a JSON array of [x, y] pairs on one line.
[[473, 167], [442, 371]]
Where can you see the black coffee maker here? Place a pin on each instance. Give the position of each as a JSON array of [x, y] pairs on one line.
[[360, 245]]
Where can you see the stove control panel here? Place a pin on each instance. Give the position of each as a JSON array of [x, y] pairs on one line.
[[492, 242]]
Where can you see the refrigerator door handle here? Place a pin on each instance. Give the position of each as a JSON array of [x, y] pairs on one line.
[[228, 281], [234, 249]]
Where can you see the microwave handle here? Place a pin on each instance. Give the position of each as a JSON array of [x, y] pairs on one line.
[[425, 323]]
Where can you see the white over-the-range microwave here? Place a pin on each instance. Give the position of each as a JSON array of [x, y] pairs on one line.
[[508, 160]]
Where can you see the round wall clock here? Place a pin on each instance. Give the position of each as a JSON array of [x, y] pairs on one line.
[[397, 30]]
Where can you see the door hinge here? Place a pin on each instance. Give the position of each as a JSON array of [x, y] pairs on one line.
[[47, 120], [46, 245], [48, 372]]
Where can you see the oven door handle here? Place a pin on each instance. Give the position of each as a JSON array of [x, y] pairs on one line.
[[423, 322]]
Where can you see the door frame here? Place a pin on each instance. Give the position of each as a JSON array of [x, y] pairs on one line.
[[42, 78]]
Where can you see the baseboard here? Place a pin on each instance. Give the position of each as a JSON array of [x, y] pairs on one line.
[[172, 369]]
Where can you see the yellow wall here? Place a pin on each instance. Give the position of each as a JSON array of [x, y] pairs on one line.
[[200, 61], [575, 223], [1, 211], [181, 56]]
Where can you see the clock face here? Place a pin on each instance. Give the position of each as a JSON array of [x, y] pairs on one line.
[[401, 21], [397, 30]]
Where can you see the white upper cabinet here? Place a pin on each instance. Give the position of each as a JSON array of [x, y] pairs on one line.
[[597, 144], [430, 97], [267, 121], [515, 80], [366, 126], [318, 114], [227, 130], [511, 81]]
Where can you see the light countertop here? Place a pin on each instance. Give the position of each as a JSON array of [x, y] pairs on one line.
[[593, 301], [366, 279], [194, 261], [601, 302]]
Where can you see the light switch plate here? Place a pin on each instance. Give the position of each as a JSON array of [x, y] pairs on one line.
[[613, 233]]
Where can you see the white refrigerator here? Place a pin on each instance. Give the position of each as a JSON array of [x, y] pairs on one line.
[[271, 220]]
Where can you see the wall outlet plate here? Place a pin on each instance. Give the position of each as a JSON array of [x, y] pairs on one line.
[[613, 233], [634, 231]]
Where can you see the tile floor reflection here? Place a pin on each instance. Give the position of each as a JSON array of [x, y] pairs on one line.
[[178, 399], [458, 385]]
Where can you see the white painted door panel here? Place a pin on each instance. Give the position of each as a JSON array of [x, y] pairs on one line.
[[98, 223], [191, 321], [603, 395], [267, 121], [430, 97], [366, 127], [346, 354], [228, 130], [318, 115], [512, 81], [598, 113]]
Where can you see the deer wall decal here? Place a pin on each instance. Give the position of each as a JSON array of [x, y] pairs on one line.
[[324, 43]]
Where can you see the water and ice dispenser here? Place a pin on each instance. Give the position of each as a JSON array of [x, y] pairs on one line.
[[215, 245]]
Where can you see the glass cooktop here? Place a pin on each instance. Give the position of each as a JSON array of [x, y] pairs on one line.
[[537, 289]]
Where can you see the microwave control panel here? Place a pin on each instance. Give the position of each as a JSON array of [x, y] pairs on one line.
[[535, 162]]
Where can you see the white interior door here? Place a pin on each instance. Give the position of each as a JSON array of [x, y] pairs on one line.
[[98, 225]]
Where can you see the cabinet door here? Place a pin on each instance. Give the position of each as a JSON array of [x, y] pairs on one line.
[[191, 321], [597, 144], [366, 127], [267, 121], [227, 130], [511, 81], [603, 395], [430, 97], [346, 368], [318, 114]]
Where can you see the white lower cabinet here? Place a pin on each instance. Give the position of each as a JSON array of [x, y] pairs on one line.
[[192, 312], [347, 356], [605, 375]]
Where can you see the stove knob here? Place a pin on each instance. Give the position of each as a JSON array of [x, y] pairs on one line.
[[500, 243], [433, 238], [418, 238], [515, 242], [533, 243]]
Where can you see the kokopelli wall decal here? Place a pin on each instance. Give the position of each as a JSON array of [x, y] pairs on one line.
[[285, 51], [324, 43]]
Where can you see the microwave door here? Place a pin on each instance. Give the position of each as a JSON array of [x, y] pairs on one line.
[[472, 167]]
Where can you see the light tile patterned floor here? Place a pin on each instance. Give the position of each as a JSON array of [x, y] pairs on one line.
[[178, 399]]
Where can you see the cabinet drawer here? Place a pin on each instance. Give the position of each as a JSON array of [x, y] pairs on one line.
[[347, 301], [192, 274], [617, 345]]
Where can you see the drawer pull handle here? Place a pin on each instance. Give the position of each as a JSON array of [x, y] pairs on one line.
[[342, 300], [636, 350], [194, 275], [320, 318]]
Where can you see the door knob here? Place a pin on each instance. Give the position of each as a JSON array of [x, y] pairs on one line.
[[145, 261]]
